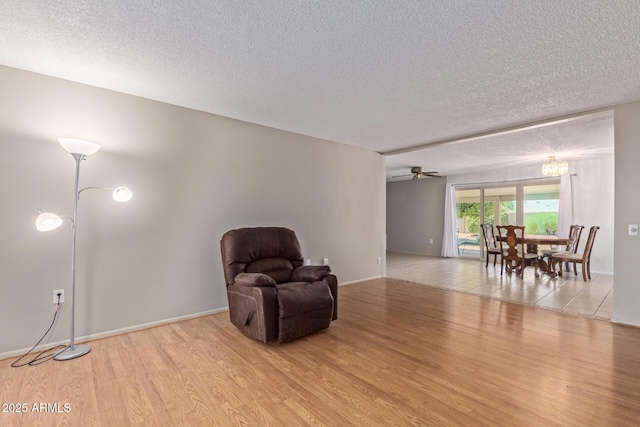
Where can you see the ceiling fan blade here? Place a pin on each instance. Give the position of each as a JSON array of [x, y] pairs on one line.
[[431, 175], [417, 173]]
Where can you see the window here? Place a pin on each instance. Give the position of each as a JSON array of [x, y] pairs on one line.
[[540, 208], [532, 204]]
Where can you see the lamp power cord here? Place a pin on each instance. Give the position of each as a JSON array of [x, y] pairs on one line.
[[43, 356]]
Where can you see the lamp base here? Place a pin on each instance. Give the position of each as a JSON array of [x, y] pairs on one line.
[[79, 350]]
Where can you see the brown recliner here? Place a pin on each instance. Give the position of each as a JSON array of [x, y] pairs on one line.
[[271, 294]]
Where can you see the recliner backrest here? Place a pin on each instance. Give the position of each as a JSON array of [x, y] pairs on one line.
[[274, 251]]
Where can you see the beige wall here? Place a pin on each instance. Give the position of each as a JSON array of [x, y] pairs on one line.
[[194, 176], [415, 216], [626, 296]]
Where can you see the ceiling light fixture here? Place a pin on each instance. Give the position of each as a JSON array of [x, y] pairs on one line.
[[553, 167]]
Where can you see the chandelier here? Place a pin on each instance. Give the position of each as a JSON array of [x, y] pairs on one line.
[[553, 167]]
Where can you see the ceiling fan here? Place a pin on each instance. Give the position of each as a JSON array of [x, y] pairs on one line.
[[417, 173]]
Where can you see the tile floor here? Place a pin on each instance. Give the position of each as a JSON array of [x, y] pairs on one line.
[[569, 293]]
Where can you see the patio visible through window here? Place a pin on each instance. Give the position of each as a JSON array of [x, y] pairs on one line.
[[468, 221]]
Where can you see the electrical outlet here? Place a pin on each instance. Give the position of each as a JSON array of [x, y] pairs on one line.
[[55, 296], [379, 260], [325, 261], [307, 262]]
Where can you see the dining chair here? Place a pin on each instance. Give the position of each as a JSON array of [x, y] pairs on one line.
[[514, 255], [491, 246], [575, 231], [584, 258]]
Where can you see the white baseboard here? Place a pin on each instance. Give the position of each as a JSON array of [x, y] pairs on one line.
[[415, 253], [360, 280], [618, 322], [114, 332]]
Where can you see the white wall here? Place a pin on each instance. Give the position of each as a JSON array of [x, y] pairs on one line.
[[594, 204], [415, 215], [626, 289], [194, 176]]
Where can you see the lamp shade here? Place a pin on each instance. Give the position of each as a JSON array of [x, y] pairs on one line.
[[48, 221], [122, 194], [77, 146]]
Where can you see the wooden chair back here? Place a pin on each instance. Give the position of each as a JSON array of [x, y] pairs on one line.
[[513, 255], [575, 231], [512, 242], [575, 258], [489, 238], [586, 255]]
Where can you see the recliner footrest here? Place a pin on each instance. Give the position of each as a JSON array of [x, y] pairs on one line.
[[303, 308]]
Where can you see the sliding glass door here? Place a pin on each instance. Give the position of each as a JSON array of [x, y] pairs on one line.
[[469, 212], [532, 204], [503, 204], [540, 208]]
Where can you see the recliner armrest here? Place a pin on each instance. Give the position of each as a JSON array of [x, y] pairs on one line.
[[310, 273], [254, 279]]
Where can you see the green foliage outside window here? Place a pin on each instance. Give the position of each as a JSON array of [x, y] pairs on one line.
[[471, 213], [541, 223], [505, 209]]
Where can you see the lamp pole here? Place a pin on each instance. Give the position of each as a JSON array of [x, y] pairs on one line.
[[47, 221], [74, 351]]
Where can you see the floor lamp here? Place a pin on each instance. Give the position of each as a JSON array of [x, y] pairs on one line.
[[47, 221]]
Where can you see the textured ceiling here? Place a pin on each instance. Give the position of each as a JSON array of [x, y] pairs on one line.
[[581, 138], [378, 74]]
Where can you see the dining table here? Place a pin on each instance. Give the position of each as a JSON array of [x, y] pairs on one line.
[[533, 240]]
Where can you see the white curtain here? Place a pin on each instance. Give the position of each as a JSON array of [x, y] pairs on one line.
[[450, 238], [565, 210]]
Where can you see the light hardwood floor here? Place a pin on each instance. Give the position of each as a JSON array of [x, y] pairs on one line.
[[569, 293], [399, 354]]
